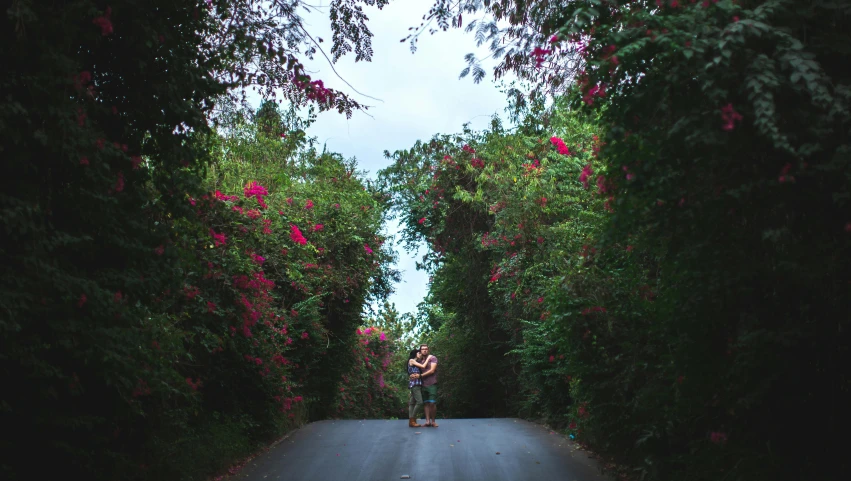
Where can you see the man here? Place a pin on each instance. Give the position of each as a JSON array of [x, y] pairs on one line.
[[429, 378]]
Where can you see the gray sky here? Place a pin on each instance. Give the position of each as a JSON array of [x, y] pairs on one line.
[[421, 95]]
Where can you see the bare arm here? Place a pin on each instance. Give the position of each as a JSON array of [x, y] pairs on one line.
[[413, 362], [431, 370]]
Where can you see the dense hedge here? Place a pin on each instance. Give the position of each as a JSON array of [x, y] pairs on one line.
[[689, 295], [159, 320]]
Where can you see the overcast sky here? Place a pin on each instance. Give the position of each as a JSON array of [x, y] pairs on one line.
[[421, 95]]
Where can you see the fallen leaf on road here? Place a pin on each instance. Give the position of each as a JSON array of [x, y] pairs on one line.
[[405, 476], [497, 452]]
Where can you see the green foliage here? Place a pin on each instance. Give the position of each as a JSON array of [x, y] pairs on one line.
[[365, 389], [725, 156], [116, 349]]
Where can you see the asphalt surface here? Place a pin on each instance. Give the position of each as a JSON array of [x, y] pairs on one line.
[[458, 450]]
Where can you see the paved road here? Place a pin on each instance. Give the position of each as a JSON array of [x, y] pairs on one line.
[[458, 450]]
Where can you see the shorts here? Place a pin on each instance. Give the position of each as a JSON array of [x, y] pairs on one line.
[[430, 393]]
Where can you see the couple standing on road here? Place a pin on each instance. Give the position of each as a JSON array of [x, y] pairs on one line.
[[422, 380]]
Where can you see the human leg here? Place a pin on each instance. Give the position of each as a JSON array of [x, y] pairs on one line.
[[430, 399], [415, 401]]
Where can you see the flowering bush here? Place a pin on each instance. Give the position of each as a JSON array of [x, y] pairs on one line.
[[143, 314], [711, 289], [364, 390]]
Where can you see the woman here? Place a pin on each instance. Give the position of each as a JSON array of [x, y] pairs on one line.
[[415, 384]]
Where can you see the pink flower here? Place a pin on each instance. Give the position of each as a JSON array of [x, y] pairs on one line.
[[119, 183], [218, 195], [718, 437], [422, 220], [560, 146], [540, 300], [83, 78], [309, 204], [367, 249], [368, 331], [84, 160], [296, 235], [382, 337], [211, 307], [318, 227], [539, 54], [256, 190], [304, 335], [259, 260], [104, 22], [193, 385], [159, 250], [218, 239], [595, 91], [359, 332], [135, 161], [552, 358], [784, 174], [585, 175], [82, 300], [729, 116]]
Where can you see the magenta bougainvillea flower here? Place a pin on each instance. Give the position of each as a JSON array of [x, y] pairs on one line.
[[560, 146], [729, 116], [539, 54], [586, 175], [257, 191], [296, 235], [218, 239], [104, 22]]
